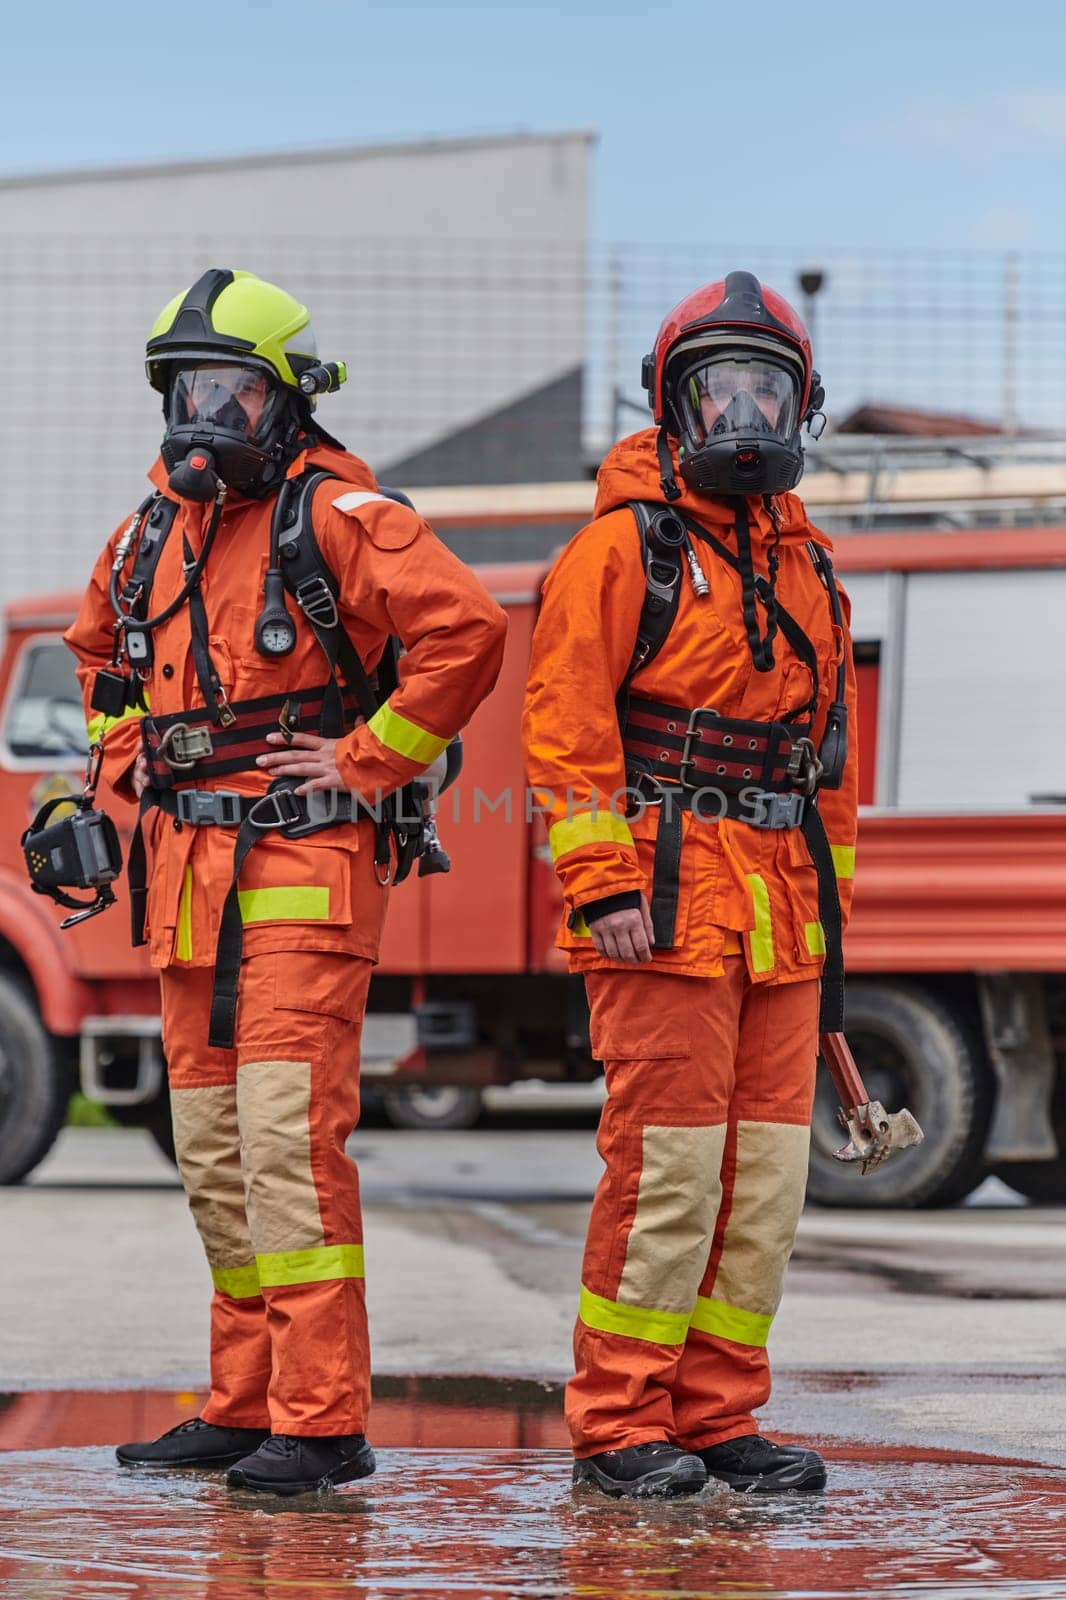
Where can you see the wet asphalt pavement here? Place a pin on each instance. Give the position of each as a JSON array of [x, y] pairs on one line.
[[506, 1523], [924, 1353]]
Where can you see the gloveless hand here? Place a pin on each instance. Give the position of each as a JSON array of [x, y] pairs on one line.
[[139, 776], [305, 755], [624, 935]]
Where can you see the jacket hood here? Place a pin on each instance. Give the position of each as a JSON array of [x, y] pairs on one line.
[[340, 463], [630, 471]]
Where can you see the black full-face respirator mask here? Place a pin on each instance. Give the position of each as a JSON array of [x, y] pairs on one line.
[[230, 423], [739, 419]]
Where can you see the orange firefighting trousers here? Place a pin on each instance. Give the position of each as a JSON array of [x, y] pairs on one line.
[[710, 1083], [259, 1131]]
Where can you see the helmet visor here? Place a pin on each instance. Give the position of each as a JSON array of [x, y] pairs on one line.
[[223, 395], [739, 394]]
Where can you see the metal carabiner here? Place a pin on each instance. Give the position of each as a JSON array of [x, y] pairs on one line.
[[804, 767]]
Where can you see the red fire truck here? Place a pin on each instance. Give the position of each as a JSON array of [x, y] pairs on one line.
[[957, 948]]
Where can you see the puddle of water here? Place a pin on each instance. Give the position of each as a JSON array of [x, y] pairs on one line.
[[485, 1522]]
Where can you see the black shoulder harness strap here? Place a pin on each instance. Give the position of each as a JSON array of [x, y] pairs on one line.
[[660, 554], [158, 512], [314, 587]]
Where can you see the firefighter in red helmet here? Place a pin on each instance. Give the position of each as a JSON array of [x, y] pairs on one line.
[[686, 721]]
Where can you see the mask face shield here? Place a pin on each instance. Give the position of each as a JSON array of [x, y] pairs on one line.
[[240, 399], [236, 412], [737, 394]]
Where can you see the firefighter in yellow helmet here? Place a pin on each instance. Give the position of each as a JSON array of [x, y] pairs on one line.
[[254, 708]]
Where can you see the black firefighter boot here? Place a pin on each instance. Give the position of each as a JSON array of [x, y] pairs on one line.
[[193, 1444], [285, 1464], [755, 1465], [656, 1470]]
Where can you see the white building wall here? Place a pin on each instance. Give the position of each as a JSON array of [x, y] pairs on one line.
[[449, 275]]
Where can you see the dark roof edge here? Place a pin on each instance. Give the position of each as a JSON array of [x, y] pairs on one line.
[[290, 158]]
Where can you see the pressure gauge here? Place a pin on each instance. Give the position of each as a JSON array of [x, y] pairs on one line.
[[275, 636], [275, 631]]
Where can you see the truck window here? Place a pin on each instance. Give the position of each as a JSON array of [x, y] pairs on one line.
[[44, 723]]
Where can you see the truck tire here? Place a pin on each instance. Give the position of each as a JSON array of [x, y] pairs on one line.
[[34, 1084], [441, 1107], [913, 1050]]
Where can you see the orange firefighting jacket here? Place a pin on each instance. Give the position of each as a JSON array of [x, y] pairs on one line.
[[733, 876], [395, 576]]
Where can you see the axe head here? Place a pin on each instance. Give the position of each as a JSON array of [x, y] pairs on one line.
[[876, 1133]]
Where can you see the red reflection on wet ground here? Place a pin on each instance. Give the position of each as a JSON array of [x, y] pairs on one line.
[[482, 1413], [502, 1523]]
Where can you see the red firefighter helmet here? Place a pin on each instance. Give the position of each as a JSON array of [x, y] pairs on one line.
[[731, 379]]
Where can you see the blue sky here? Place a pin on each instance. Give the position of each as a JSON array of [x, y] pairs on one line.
[[925, 126]]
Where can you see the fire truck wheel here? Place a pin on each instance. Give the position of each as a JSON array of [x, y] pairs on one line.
[[440, 1107], [913, 1050], [34, 1084]]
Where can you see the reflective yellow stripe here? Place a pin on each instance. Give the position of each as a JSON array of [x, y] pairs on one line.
[[184, 950], [815, 938], [97, 726], [310, 1266], [844, 859], [406, 738], [632, 1322], [240, 1283], [762, 936], [588, 827], [729, 1322], [307, 904]]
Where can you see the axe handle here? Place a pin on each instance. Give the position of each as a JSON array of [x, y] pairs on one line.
[[845, 1074]]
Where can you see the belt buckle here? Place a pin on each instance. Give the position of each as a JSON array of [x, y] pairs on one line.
[[317, 601], [320, 808], [692, 736], [804, 768], [201, 808], [278, 808], [773, 811], [181, 747]]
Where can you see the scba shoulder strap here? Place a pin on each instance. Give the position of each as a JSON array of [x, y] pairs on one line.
[[314, 586], [115, 690], [661, 534]]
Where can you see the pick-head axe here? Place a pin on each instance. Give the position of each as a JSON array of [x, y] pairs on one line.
[[875, 1132]]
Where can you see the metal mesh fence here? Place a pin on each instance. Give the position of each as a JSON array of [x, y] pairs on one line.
[[972, 334], [473, 338]]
